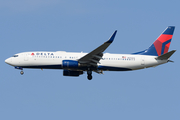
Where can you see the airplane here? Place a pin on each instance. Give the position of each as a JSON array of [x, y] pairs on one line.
[[75, 64]]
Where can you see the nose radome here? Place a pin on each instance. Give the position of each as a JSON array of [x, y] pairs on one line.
[[8, 61]]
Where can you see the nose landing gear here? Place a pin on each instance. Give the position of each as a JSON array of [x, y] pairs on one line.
[[21, 72], [20, 68]]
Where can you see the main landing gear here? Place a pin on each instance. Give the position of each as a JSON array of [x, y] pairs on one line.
[[89, 73]]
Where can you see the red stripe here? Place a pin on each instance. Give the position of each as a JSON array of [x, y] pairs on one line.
[[163, 38], [167, 48], [158, 46], [158, 43]]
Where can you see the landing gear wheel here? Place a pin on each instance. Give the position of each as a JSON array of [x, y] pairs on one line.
[[21, 72], [89, 77], [89, 73]]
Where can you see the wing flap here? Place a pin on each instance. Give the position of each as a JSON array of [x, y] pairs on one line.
[[98, 56], [95, 61]]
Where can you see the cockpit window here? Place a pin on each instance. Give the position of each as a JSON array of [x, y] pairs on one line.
[[15, 56]]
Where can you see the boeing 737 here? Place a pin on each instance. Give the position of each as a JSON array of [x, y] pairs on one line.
[[75, 64]]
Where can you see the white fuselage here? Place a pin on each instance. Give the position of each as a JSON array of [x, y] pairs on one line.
[[74, 64], [109, 62]]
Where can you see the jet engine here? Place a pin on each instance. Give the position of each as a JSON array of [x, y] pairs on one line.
[[70, 64]]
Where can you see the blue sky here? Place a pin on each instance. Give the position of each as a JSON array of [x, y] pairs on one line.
[[66, 25]]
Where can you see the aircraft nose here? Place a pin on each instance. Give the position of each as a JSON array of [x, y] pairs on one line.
[[8, 61]]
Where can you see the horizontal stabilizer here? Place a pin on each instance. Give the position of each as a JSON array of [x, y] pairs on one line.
[[166, 55]]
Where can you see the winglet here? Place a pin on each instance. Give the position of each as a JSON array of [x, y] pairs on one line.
[[112, 37]]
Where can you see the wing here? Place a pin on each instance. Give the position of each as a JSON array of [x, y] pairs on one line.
[[94, 56]]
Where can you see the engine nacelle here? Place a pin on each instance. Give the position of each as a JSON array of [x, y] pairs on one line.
[[70, 64], [72, 73]]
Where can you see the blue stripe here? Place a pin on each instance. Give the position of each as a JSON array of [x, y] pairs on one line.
[[163, 46], [83, 68], [44, 66], [113, 68]]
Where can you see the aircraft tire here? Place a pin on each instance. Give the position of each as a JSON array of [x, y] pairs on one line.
[[21, 72], [89, 77]]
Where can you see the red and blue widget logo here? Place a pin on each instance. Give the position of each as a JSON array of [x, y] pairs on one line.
[[162, 44]]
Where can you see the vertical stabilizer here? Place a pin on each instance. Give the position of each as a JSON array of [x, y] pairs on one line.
[[162, 43]]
